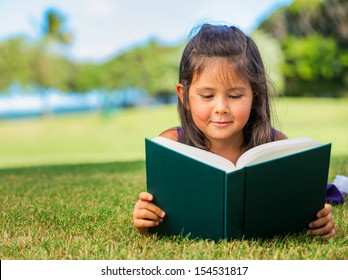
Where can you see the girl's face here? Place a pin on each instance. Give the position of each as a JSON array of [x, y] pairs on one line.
[[220, 102]]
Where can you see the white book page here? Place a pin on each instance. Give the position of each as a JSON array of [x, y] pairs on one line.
[[255, 155], [275, 149], [197, 154]]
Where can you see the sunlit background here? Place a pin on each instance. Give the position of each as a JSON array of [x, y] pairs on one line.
[[87, 81]]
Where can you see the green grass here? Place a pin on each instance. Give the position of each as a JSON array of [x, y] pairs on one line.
[[82, 138], [325, 120], [74, 197], [85, 212]]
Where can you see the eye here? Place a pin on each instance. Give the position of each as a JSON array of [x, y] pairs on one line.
[[207, 96], [234, 96]]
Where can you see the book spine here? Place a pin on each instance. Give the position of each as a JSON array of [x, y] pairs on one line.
[[234, 204]]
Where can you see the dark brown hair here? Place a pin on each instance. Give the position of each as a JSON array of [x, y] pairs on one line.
[[228, 42]]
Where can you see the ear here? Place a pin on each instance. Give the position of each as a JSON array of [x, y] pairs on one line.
[[180, 92]]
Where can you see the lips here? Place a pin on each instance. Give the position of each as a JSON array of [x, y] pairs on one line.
[[221, 123]]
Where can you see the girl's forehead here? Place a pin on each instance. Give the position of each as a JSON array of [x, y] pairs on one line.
[[220, 70]]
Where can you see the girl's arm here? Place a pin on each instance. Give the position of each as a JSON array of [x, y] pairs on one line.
[[324, 226], [146, 214]]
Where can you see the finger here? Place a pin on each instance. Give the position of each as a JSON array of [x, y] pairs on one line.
[[147, 215], [145, 223], [145, 196], [322, 231], [321, 221], [325, 211], [331, 234], [140, 205]]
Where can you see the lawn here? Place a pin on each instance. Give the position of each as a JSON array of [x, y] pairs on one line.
[[82, 138], [85, 212], [68, 186]]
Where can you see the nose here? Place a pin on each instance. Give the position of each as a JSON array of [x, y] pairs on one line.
[[221, 106]]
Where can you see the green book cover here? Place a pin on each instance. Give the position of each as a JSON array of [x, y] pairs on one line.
[[204, 199]]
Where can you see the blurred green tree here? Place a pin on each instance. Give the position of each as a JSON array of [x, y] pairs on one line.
[[314, 39], [14, 63], [88, 76], [152, 67], [43, 63]]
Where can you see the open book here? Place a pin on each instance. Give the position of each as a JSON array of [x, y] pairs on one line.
[[255, 155], [275, 188]]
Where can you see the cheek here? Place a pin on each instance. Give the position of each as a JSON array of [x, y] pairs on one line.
[[243, 113], [200, 116], [200, 111]]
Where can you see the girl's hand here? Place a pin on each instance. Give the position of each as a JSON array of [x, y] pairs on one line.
[[324, 226], [146, 214]]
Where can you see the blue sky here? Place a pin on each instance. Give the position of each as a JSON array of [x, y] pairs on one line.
[[103, 28]]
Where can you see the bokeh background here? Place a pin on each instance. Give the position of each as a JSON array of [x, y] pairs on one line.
[[87, 81]]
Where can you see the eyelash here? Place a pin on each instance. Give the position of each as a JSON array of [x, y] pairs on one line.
[[207, 96], [234, 96], [210, 96]]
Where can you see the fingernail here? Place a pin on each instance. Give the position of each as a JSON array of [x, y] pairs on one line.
[[309, 232], [162, 214], [150, 197]]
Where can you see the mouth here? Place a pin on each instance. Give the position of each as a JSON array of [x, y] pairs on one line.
[[221, 123]]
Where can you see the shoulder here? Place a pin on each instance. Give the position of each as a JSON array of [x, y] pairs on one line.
[[171, 133], [279, 135]]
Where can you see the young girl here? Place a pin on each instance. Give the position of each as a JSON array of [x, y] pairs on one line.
[[223, 106]]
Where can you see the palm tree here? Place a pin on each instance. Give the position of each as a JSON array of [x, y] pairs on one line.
[[51, 46], [55, 35]]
